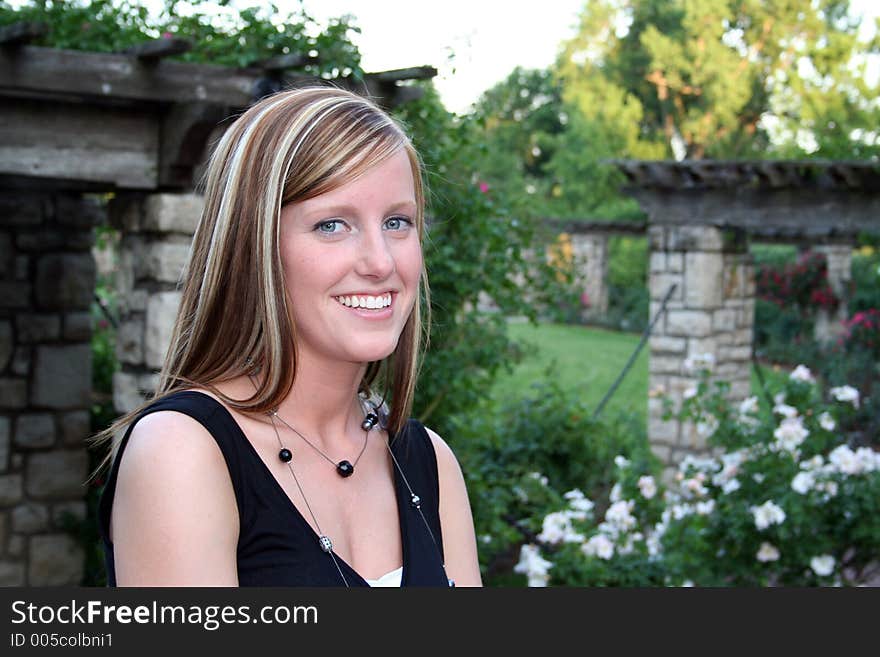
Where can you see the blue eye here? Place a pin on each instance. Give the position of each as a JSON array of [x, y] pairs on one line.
[[329, 227], [398, 223]]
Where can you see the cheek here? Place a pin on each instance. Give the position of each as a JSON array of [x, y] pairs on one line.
[[409, 263]]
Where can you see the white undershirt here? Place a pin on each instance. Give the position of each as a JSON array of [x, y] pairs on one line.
[[394, 578]]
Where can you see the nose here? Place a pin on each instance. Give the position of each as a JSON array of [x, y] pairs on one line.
[[375, 259]]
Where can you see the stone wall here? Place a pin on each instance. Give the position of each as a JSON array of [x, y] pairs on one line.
[[157, 231], [829, 325], [711, 311], [591, 257], [47, 281]]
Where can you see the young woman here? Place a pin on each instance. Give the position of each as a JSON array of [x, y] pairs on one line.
[[277, 451]]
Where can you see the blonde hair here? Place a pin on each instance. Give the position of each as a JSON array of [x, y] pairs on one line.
[[234, 314]]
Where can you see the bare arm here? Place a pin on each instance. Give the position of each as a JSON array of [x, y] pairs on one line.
[[174, 519], [459, 540]]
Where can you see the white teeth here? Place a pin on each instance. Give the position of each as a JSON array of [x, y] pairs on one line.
[[366, 301]]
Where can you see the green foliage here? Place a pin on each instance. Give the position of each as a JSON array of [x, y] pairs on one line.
[[220, 33], [512, 449], [788, 502], [722, 79], [474, 246]]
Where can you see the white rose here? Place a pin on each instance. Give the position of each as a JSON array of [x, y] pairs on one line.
[[822, 565], [647, 487], [767, 553], [599, 546], [802, 373], [802, 483], [846, 394], [827, 422], [767, 514]]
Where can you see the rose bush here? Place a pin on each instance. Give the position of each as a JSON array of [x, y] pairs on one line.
[[784, 500]]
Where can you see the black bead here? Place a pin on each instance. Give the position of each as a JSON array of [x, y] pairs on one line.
[[370, 421], [345, 469], [285, 455]]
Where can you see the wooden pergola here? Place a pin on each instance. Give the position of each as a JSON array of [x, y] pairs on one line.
[[136, 120]]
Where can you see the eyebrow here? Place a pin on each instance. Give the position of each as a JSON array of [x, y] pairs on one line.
[[346, 209]]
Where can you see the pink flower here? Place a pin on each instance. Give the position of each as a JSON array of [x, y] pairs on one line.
[[585, 299], [484, 187], [167, 35]]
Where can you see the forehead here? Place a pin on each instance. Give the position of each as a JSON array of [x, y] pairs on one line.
[[389, 182]]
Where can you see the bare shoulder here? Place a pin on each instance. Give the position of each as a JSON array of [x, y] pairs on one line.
[[459, 542], [174, 517], [446, 459]]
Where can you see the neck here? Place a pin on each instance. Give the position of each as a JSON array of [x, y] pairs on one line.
[[323, 401]]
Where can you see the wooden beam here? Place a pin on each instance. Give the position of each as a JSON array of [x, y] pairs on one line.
[[17, 34], [413, 73], [158, 48], [39, 72], [105, 146]]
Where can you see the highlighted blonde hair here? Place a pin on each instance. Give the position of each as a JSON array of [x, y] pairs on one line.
[[234, 314]]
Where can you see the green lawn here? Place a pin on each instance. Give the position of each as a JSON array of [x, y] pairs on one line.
[[588, 360]]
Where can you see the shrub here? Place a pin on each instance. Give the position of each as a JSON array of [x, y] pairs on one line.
[[786, 501]]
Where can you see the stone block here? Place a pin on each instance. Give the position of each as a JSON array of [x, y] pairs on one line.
[[665, 344], [7, 256], [662, 432], [55, 560], [32, 328], [662, 452], [13, 393], [161, 313], [6, 346], [724, 319], [15, 295], [694, 323], [30, 518], [675, 262], [11, 489], [172, 213], [657, 238], [62, 513], [11, 573], [63, 377], [658, 364], [657, 262], [130, 341], [694, 238], [21, 361], [22, 209], [15, 546], [78, 326], [75, 427], [65, 282], [35, 430], [5, 441], [57, 474], [22, 268], [79, 211], [734, 353], [127, 395], [700, 346], [165, 262], [702, 280], [659, 285]]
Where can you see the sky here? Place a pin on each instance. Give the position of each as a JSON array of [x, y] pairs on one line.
[[487, 39]]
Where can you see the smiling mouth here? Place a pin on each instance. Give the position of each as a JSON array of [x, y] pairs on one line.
[[365, 301]]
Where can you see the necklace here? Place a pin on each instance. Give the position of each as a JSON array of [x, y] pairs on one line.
[[374, 415], [344, 468]]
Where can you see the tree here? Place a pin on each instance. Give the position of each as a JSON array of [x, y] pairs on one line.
[[724, 78]]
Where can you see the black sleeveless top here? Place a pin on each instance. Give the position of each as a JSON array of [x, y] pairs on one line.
[[276, 546]]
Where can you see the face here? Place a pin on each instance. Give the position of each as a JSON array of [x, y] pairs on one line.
[[352, 262]]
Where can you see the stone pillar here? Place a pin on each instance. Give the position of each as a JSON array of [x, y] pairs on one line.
[[590, 254], [47, 282], [829, 326], [157, 231], [711, 312]]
